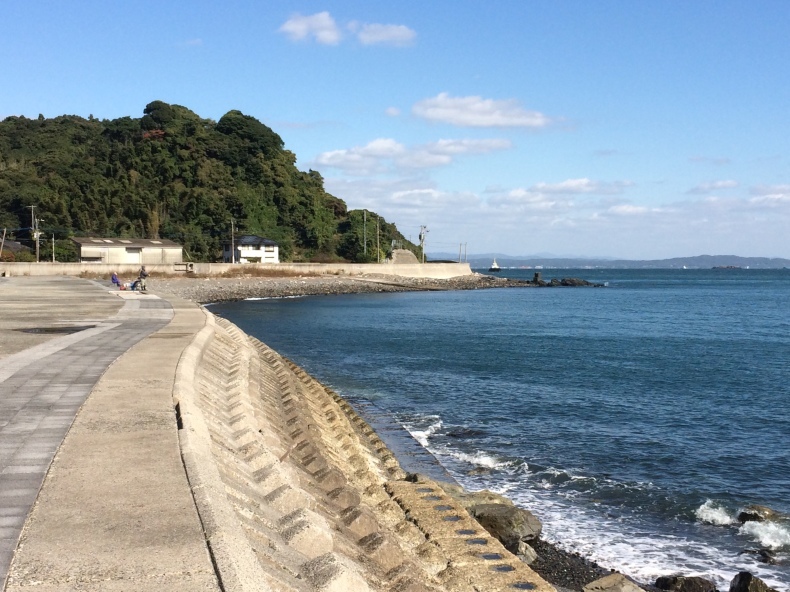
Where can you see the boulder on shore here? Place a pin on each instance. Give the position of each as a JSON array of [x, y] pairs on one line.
[[746, 582], [615, 582], [507, 523], [685, 584]]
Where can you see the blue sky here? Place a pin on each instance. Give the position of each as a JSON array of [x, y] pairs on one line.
[[629, 129]]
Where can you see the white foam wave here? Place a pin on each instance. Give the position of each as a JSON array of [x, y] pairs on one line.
[[422, 436], [625, 544], [773, 535], [712, 513], [252, 298], [479, 458]]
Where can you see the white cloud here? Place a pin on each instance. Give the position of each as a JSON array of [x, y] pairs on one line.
[[524, 220], [771, 196], [323, 28], [377, 34], [711, 186], [468, 146], [392, 111], [476, 111], [628, 210], [580, 186], [362, 160], [319, 26], [771, 190], [385, 154]]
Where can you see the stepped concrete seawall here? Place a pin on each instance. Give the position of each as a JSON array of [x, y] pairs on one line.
[[203, 460]]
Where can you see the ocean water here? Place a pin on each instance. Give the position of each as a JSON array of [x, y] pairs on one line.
[[634, 420]]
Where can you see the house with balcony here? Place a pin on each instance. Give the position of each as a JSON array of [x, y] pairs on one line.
[[249, 248]]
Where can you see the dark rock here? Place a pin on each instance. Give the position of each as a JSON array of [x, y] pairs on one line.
[[762, 555], [755, 513], [685, 584], [746, 582], [507, 523]]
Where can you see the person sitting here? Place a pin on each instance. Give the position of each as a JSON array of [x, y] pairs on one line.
[[114, 279]]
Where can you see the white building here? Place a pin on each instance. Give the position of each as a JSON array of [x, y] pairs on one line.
[[136, 251], [249, 248]]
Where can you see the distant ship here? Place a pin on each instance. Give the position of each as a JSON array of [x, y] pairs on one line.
[[494, 266]]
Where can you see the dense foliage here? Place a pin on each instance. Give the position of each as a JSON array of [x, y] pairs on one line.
[[172, 174]]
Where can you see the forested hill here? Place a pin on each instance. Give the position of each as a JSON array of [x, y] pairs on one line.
[[172, 174]]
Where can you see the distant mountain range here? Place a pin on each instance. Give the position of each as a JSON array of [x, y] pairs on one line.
[[483, 261]]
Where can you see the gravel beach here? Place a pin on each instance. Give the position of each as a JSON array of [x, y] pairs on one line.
[[221, 289]]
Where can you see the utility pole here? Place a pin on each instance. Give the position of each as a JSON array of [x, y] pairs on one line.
[[232, 243], [465, 258], [423, 231], [53, 247], [378, 236], [37, 235], [2, 243], [34, 227], [365, 232], [459, 251]]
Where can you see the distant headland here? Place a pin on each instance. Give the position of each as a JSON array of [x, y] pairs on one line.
[[697, 262]]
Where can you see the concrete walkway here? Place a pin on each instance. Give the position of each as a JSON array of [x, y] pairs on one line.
[[115, 511]]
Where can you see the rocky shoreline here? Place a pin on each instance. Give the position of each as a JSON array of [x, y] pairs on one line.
[[566, 571], [240, 287]]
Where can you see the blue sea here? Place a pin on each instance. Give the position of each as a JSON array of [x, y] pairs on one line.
[[634, 420]]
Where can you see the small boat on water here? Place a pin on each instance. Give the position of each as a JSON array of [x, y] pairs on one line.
[[494, 266]]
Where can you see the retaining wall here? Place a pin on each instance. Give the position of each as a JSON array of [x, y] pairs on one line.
[[417, 270]]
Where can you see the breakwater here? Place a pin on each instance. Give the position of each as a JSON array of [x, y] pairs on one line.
[[296, 492]]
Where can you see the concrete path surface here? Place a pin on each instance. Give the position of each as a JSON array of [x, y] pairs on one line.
[[116, 511]]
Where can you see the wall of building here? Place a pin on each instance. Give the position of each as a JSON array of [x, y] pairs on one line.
[[126, 271], [131, 256]]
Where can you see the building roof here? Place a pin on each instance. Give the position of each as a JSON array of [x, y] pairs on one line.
[[251, 240], [14, 246], [95, 241]]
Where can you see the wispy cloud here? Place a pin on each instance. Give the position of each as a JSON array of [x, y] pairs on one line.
[[385, 154], [319, 26], [580, 186], [378, 34], [322, 28], [392, 111], [711, 186], [475, 111], [715, 160], [196, 42]]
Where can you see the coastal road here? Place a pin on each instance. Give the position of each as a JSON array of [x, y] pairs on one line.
[[58, 337]]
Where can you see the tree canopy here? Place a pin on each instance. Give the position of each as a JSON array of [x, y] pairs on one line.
[[172, 174]]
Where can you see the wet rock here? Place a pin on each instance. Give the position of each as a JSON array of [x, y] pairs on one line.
[[755, 513], [685, 584], [762, 555], [746, 582], [507, 523], [468, 499], [612, 583]]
